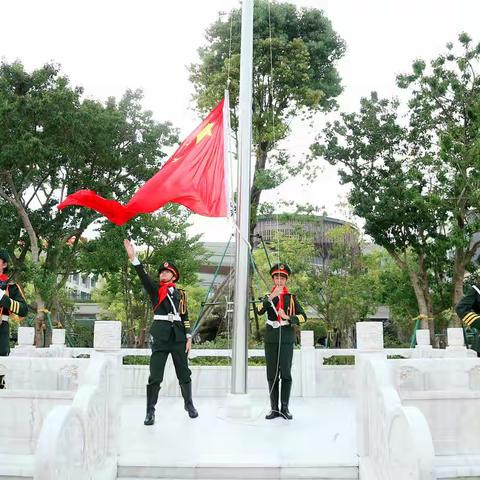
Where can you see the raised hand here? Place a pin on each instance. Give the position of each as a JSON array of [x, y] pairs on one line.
[[129, 248], [276, 292]]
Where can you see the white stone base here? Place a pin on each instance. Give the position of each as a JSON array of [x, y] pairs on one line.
[[237, 406], [319, 443]]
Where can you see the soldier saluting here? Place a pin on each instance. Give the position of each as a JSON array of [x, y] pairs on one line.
[[12, 301], [283, 311], [170, 332]]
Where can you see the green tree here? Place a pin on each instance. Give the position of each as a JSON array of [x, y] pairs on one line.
[[294, 75], [416, 183], [445, 118], [389, 192], [54, 142], [343, 288]]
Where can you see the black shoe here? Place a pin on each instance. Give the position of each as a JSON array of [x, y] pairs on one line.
[[186, 389], [192, 411], [284, 399], [273, 414], [273, 392], [152, 397], [285, 412], [149, 418]]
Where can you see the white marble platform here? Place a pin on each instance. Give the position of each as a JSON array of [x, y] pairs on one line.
[[319, 443], [16, 467]]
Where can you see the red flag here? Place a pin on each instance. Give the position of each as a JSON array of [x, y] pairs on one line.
[[194, 176]]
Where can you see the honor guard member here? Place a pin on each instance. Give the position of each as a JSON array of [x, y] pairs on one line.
[[468, 310], [283, 311], [170, 331], [12, 301]]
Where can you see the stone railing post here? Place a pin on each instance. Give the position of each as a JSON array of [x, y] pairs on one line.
[[369, 344], [58, 337], [308, 364], [107, 336], [456, 343], [423, 349], [25, 343], [107, 341]]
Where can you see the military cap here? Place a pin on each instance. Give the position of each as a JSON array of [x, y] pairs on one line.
[[171, 268], [281, 268]]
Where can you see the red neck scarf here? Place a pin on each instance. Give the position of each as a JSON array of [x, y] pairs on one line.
[[162, 291], [3, 277], [280, 300]]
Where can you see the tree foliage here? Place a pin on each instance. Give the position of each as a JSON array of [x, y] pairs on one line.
[[415, 180], [53, 141], [294, 74]]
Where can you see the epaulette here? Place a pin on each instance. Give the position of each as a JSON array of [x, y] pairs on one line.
[[183, 301]]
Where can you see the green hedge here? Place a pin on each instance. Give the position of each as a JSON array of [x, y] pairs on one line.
[[340, 360], [207, 360]]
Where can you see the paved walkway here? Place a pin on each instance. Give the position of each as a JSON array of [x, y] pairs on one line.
[[320, 438]]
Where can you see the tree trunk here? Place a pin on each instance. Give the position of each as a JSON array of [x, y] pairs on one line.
[[40, 327], [457, 283], [27, 224], [255, 193], [420, 285]]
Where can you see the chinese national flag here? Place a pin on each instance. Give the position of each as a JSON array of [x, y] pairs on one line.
[[194, 176]]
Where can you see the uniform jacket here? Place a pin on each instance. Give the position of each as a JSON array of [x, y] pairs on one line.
[[468, 308], [293, 309], [13, 301], [161, 329]]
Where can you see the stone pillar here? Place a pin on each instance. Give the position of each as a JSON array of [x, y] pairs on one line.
[[369, 344], [58, 348], [456, 343], [58, 337], [307, 353], [26, 336], [423, 349], [25, 343], [370, 336], [107, 336], [107, 341]]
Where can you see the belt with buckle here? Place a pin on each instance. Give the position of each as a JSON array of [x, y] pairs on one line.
[[170, 317], [277, 323]]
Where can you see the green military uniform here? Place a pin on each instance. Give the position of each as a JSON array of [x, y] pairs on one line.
[[279, 341], [468, 309], [12, 301], [169, 330]]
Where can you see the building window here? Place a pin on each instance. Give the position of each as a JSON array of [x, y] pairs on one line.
[[85, 296]]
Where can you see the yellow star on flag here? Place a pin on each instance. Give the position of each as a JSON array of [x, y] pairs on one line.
[[206, 131]]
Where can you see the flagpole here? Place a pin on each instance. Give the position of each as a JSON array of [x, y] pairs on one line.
[[241, 310], [226, 152]]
